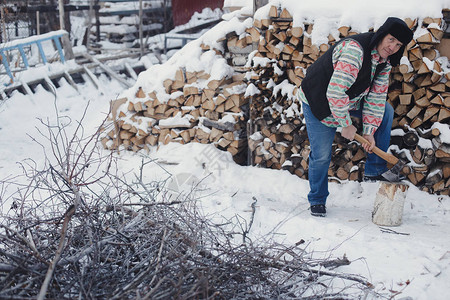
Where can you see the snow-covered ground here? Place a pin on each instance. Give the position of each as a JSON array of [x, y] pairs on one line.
[[418, 251], [413, 259]]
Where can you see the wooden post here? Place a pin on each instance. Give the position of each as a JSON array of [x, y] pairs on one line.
[[38, 24], [97, 20], [141, 35], [90, 16], [166, 22], [389, 202], [250, 124], [67, 46], [61, 14], [258, 4], [5, 38]]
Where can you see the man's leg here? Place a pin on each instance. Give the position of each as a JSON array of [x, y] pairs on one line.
[[321, 139], [374, 164]]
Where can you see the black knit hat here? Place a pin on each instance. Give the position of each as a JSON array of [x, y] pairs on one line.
[[397, 28]]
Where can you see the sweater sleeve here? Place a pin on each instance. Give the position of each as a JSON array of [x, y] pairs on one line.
[[374, 104], [347, 61]]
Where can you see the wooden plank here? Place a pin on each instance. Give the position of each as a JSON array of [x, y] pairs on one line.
[[108, 70], [70, 80], [130, 71]]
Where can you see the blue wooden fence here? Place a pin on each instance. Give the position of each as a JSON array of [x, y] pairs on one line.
[[19, 45]]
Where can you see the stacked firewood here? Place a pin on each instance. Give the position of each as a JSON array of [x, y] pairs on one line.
[[278, 137], [429, 157], [419, 92], [212, 113], [255, 113]]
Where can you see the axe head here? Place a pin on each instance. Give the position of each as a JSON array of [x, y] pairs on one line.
[[393, 174]]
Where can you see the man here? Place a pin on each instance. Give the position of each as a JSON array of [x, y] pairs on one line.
[[351, 79]]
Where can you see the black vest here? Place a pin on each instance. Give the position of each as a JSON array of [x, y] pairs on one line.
[[318, 76]]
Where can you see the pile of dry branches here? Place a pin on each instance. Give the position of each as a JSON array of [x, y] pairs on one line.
[[77, 228]]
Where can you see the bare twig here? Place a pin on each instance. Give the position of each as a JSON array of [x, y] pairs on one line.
[[252, 217], [152, 204], [68, 215], [136, 237], [389, 230]]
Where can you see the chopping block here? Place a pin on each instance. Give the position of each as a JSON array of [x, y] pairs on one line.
[[389, 203], [390, 198]]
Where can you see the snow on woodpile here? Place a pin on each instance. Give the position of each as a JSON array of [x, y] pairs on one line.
[[205, 94]]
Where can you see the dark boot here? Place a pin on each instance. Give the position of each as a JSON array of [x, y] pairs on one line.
[[318, 210]]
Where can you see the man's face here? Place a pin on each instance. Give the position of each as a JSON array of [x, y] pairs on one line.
[[388, 46]]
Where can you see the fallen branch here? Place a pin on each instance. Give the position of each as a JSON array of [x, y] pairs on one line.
[[67, 216], [388, 230], [252, 217]]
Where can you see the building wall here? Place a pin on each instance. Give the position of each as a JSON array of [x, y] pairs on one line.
[[183, 10]]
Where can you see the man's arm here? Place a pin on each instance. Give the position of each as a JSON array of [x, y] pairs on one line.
[[347, 61], [375, 101]]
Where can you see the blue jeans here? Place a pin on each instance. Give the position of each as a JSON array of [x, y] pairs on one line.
[[321, 138]]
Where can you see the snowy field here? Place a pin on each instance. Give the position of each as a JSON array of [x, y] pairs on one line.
[[412, 260]]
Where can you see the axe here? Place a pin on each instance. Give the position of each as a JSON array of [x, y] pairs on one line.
[[393, 174]]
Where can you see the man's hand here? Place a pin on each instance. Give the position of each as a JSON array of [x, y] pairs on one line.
[[349, 132], [369, 147]]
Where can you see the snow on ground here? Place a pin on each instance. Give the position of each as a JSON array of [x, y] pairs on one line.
[[420, 254], [417, 252]]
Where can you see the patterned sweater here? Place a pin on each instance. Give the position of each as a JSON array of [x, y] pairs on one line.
[[347, 61]]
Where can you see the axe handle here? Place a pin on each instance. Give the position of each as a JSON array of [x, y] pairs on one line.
[[386, 156]]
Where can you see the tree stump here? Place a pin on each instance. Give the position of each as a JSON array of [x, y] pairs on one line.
[[389, 202]]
